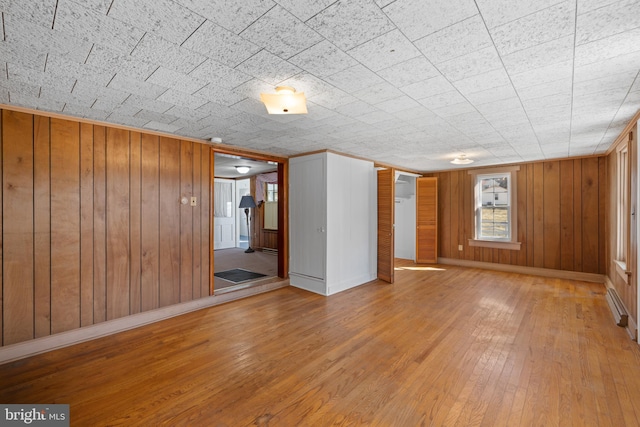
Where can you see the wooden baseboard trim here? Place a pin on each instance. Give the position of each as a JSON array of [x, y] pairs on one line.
[[21, 350], [632, 326], [534, 271]]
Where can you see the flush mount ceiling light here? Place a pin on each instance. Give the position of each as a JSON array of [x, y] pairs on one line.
[[285, 101], [243, 169], [461, 160]]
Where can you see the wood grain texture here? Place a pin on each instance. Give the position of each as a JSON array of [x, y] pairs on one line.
[[552, 216], [65, 225], [2, 115], [17, 218], [386, 208], [452, 346], [42, 226], [81, 227], [118, 250], [150, 223], [186, 221], [135, 208], [169, 222], [86, 224], [427, 212], [99, 224]]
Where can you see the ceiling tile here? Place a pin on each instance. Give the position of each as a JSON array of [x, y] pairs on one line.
[[554, 51], [37, 12], [88, 89], [607, 21], [25, 100], [156, 50], [543, 89], [79, 100], [139, 87], [323, 59], [95, 27], [499, 12], [398, 104], [333, 99], [385, 51], [281, 33], [305, 9], [233, 15], [26, 56], [220, 44], [459, 39], [163, 127], [408, 72], [62, 67], [608, 48], [173, 96], [427, 88], [348, 24], [548, 24], [114, 62], [548, 74], [40, 78], [219, 95], [174, 80], [219, 75], [471, 64], [25, 35], [354, 78], [378, 93], [418, 18], [268, 67], [483, 82], [164, 18]]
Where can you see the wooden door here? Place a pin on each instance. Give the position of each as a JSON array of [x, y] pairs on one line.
[[427, 220], [386, 220]]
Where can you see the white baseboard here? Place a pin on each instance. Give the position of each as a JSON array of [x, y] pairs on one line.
[[24, 349], [534, 271]]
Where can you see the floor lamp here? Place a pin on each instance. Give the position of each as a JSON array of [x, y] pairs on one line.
[[247, 202]]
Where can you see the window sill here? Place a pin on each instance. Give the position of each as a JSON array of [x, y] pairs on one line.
[[495, 244], [621, 270]]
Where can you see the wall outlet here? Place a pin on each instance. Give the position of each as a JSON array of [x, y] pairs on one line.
[[460, 247], [194, 201]]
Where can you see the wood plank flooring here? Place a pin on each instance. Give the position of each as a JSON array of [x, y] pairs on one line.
[[442, 346]]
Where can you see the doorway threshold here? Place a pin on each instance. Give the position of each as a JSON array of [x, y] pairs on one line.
[[254, 283]]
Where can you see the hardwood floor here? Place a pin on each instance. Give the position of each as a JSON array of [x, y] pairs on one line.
[[443, 346]]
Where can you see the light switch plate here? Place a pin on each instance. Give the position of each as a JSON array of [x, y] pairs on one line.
[[194, 201]]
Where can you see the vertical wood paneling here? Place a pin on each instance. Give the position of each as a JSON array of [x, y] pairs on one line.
[[150, 223], [386, 219], [590, 216], [197, 222], [17, 193], [99, 224], [135, 207], [602, 206], [444, 211], [454, 215], [567, 240], [577, 218], [42, 226], [86, 224], [427, 220], [551, 214], [186, 221], [91, 214], [117, 223], [169, 222], [65, 225]]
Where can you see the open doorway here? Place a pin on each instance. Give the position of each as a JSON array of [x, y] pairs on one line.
[[253, 257]]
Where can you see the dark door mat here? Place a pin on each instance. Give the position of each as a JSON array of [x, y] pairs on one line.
[[238, 275]]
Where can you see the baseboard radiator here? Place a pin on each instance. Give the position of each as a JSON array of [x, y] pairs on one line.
[[617, 308]]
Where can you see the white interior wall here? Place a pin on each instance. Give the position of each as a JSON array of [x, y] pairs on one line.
[[405, 218]]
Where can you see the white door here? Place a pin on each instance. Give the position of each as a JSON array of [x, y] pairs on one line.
[[224, 213]]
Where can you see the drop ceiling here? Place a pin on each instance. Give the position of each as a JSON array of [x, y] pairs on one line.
[[411, 83]]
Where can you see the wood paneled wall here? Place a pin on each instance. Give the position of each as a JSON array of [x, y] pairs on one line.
[[627, 290], [92, 224], [561, 216]]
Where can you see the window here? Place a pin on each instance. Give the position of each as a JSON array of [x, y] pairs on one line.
[[271, 207], [623, 195], [272, 192], [495, 223]]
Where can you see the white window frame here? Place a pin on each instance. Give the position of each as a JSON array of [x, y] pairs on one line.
[[498, 243], [623, 198]]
